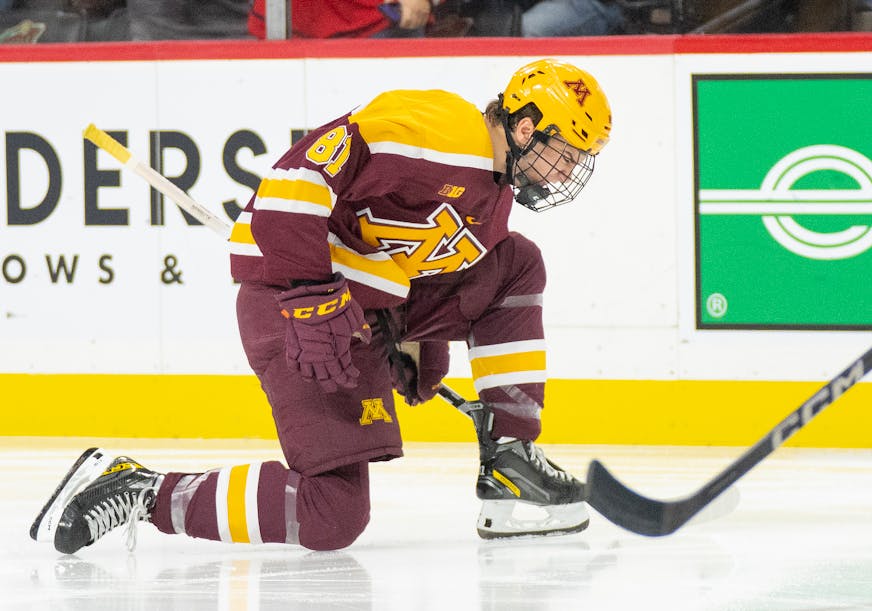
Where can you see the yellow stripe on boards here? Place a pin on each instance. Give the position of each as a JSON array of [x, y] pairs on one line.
[[645, 412], [236, 504], [126, 405], [508, 363], [660, 412]]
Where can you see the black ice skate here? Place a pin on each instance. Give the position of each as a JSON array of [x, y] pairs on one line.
[[522, 492], [85, 470], [123, 494]]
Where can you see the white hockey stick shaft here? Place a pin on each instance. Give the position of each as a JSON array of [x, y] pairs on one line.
[[109, 144]]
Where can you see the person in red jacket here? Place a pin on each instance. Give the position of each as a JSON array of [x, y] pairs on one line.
[[375, 241], [352, 18]]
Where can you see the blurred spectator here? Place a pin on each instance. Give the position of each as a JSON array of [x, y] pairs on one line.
[[446, 21], [63, 21], [861, 20], [492, 17], [24, 32], [187, 19], [15, 28], [814, 15], [538, 18], [348, 18], [572, 18], [100, 19]]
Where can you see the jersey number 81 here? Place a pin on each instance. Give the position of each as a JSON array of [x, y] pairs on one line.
[[331, 150]]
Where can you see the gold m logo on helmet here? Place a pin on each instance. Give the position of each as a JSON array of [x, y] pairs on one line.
[[374, 409], [440, 245], [579, 89]]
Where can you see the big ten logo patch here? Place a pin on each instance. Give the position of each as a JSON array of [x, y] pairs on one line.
[[374, 409], [451, 191]]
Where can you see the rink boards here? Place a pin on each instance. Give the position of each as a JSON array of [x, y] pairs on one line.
[[647, 412], [709, 279]]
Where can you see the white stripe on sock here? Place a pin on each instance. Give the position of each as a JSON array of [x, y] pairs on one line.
[[251, 517], [221, 513]]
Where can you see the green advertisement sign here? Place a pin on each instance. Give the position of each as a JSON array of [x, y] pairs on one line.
[[783, 204]]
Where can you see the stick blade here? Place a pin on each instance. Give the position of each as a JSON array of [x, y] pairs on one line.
[[626, 508]]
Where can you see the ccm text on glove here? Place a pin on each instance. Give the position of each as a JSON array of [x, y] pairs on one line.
[[322, 321]]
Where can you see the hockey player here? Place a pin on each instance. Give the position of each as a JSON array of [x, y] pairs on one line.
[[376, 240]]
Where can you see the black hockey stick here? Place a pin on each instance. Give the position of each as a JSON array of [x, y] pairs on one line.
[[645, 516], [454, 398]]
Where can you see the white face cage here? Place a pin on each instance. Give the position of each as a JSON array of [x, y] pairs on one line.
[[550, 172]]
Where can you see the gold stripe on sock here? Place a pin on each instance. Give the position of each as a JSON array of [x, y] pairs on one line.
[[236, 504]]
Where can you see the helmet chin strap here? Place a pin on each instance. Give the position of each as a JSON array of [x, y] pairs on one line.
[[526, 193]]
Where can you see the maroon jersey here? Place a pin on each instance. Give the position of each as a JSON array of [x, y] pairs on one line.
[[400, 190]]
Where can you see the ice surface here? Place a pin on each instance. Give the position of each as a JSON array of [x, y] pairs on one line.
[[801, 539]]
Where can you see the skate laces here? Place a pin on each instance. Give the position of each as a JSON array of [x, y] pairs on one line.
[[140, 511], [124, 507], [537, 457]]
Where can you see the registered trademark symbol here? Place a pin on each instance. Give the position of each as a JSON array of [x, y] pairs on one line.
[[716, 304]]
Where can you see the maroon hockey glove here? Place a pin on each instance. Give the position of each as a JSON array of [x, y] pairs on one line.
[[419, 370], [322, 319]]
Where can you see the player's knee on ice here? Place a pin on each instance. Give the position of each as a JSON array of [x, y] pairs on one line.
[[333, 507]]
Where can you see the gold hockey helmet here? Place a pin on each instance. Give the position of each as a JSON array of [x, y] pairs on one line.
[[571, 102]]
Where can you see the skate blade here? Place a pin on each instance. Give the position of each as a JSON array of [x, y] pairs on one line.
[[85, 470], [506, 519]]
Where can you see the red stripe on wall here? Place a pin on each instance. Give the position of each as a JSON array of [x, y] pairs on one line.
[[840, 42], [439, 47]]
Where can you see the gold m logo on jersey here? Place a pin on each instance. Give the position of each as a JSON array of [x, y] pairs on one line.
[[439, 246], [374, 409]]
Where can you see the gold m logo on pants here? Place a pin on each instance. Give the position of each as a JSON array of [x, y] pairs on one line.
[[374, 409]]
